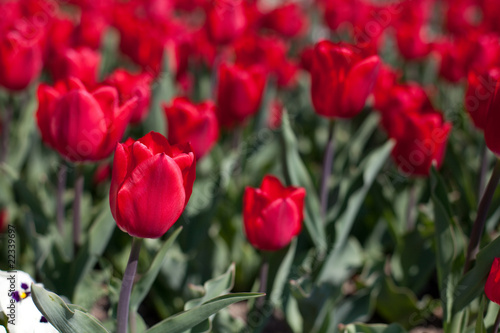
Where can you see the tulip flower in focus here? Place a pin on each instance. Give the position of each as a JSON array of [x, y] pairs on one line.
[[131, 85], [151, 184], [79, 124], [341, 80], [492, 286], [272, 214], [193, 123], [239, 93]]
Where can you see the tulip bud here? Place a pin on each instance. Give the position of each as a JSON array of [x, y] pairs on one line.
[[193, 123], [81, 63], [20, 61], [151, 184], [272, 214], [492, 286], [341, 80], [226, 20], [132, 85], [81, 125], [479, 93], [288, 20], [239, 93]]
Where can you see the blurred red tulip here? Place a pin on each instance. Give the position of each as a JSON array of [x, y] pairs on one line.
[[492, 120], [131, 85], [151, 184], [91, 29], [492, 286], [3, 220], [82, 63], [288, 20], [413, 42], [20, 60], [193, 123], [239, 93], [479, 93], [226, 20], [420, 131], [272, 214], [341, 80], [386, 80], [80, 125], [101, 174]]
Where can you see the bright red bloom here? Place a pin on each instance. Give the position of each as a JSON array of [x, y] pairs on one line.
[[492, 286], [82, 63], [91, 29], [386, 80], [239, 93], [226, 21], [131, 85], [413, 42], [20, 60], [193, 123], [273, 214], [341, 80], [420, 131], [81, 125], [479, 93], [151, 184], [288, 20]]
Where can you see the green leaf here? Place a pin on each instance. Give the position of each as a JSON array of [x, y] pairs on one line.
[[371, 166], [66, 318], [480, 328], [298, 175], [142, 287], [188, 319], [376, 328]]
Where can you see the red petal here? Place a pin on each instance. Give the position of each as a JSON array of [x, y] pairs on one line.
[[120, 166], [151, 198]]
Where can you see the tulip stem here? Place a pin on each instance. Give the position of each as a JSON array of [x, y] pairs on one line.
[[497, 323], [5, 128], [410, 209], [126, 289], [264, 270], [482, 211], [327, 168], [484, 169], [77, 208], [61, 186]]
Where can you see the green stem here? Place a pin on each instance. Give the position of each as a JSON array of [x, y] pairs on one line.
[[482, 212], [77, 208], [61, 186], [327, 169], [126, 289]]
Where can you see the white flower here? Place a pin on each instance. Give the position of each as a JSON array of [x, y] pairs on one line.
[[16, 303]]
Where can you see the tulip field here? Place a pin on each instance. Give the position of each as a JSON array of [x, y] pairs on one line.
[[260, 166]]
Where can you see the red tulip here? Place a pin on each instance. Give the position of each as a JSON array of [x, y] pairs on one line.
[[272, 214], [492, 120], [420, 131], [193, 123], [492, 286], [226, 21], [81, 63], [341, 80], [288, 20], [386, 80], [20, 60], [81, 125], [239, 93], [129, 85], [92, 26], [151, 184], [412, 41], [479, 93]]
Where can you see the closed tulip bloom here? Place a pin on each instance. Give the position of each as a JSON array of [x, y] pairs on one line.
[[151, 184], [272, 214], [81, 125], [288, 20], [225, 21], [479, 93], [492, 286], [131, 85], [239, 93], [20, 61], [341, 80], [193, 123], [492, 120], [82, 63]]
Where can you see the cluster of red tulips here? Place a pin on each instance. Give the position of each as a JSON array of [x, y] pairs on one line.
[[96, 64]]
